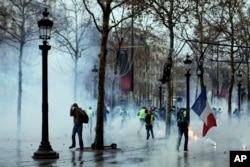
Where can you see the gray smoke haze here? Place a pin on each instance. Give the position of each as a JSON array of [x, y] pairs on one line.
[[61, 97], [60, 90]]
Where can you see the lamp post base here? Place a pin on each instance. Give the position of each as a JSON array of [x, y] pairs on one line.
[[45, 152]]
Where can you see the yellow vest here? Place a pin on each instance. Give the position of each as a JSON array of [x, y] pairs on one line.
[[142, 114], [90, 112]]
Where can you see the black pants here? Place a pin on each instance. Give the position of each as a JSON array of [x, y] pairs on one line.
[[181, 131], [149, 129]]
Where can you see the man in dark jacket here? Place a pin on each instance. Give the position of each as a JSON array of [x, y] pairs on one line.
[[182, 123], [149, 119], [75, 112]]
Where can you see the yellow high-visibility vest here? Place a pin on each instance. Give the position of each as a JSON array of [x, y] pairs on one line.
[[142, 113]]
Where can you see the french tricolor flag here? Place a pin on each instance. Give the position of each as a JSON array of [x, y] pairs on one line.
[[203, 110]]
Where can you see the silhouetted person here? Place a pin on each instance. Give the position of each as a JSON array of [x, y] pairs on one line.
[[141, 115], [124, 116], [182, 123], [166, 72], [90, 113], [149, 119], [237, 113], [75, 111], [105, 112]]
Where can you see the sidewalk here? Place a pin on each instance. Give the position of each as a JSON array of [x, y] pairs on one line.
[[158, 152], [131, 151]]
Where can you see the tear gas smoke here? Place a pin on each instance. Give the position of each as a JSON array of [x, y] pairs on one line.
[[61, 97]]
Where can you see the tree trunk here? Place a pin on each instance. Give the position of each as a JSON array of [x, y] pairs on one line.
[[200, 64], [169, 84], [248, 87], [230, 96], [231, 85], [169, 107], [113, 94], [99, 138], [20, 91], [75, 78]]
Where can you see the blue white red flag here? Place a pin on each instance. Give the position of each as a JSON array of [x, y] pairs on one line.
[[203, 110]]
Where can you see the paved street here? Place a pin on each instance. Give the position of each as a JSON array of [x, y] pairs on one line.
[[133, 150]]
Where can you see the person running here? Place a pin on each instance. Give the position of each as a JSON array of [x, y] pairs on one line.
[[149, 119], [124, 116], [141, 115]]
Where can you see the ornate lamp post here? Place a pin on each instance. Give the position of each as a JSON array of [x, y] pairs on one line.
[[187, 62], [239, 76], [95, 72], [45, 150]]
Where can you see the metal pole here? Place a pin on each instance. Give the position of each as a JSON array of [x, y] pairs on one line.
[[45, 150], [188, 94], [95, 82], [239, 95], [132, 51], [160, 96]]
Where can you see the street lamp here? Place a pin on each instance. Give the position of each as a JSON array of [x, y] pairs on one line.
[[239, 76], [94, 73], [45, 150], [187, 62]]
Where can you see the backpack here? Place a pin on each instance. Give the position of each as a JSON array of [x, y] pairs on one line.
[[83, 117]]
